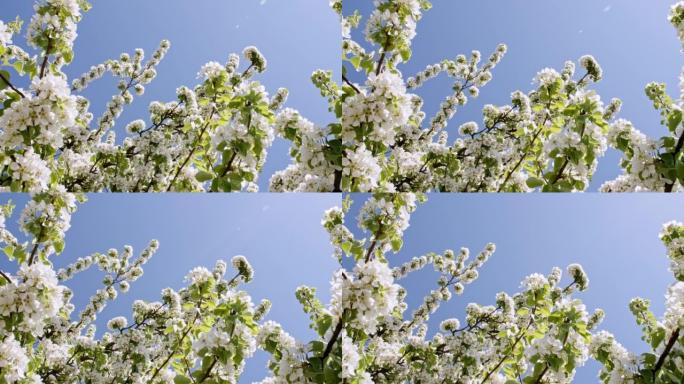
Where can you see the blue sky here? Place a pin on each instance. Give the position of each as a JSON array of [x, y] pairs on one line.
[[281, 236], [296, 36], [631, 39], [614, 237]]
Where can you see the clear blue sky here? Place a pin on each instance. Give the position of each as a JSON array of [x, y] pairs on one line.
[[296, 36], [281, 236], [614, 237], [631, 39]]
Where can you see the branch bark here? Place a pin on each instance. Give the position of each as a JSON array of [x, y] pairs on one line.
[[333, 338], [15, 89], [6, 276], [668, 348], [43, 66]]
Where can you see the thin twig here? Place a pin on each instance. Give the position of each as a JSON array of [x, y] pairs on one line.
[[15, 89], [346, 80], [43, 66], [6, 276]]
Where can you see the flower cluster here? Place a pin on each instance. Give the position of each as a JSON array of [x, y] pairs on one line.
[[53, 27], [663, 361], [5, 34], [541, 334], [549, 139], [203, 332], [36, 295], [385, 107], [213, 137], [672, 236], [35, 125], [216, 135], [370, 293], [676, 18], [317, 157], [650, 164], [368, 333], [623, 364]]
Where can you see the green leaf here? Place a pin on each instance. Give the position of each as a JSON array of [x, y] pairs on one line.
[[405, 54], [331, 373], [324, 324], [674, 119], [19, 67], [181, 379], [534, 182], [9, 251], [5, 75], [203, 176], [397, 243], [59, 246], [680, 171], [356, 62]]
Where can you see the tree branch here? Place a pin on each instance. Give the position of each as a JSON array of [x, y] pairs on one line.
[[229, 166], [43, 66], [517, 340], [349, 83], [34, 251], [6, 276], [371, 248], [369, 252], [208, 372], [337, 181], [192, 152], [333, 338], [668, 348], [379, 68], [336, 332], [15, 89], [173, 351], [385, 47], [541, 375], [520, 161]]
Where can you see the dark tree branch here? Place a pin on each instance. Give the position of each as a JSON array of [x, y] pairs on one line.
[[348, 82], [6, 276], [43, 66], [668, 348], [337, 181], [333, 339], [15, 89]]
